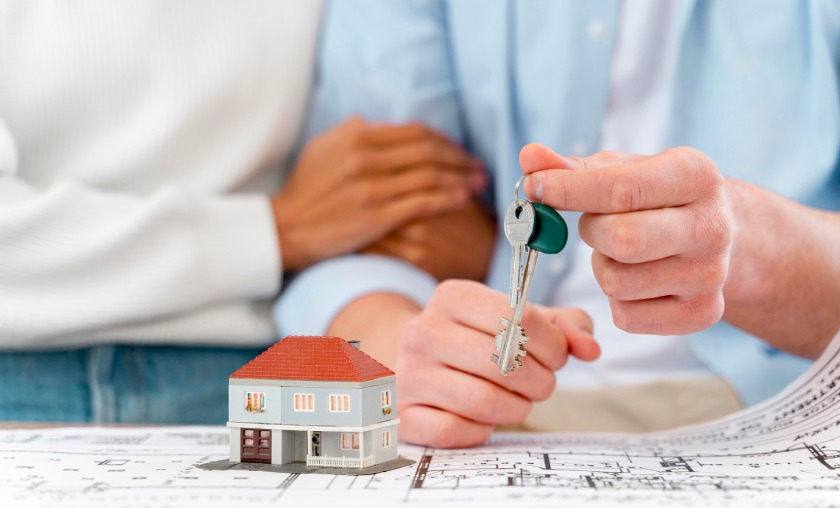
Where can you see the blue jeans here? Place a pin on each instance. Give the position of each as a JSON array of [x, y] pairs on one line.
[[132, 384]]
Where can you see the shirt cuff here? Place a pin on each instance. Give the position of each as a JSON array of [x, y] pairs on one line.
[[316, 296], [239, 247]]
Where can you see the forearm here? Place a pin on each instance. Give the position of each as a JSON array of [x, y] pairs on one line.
[[81, 262], [377, 320], [784, 276]]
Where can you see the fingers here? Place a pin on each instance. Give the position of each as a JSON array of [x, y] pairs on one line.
[[421, 151], [444, 374], [672, 178], [418, 205], [420, 179], [466, 395], [547, 345], [669, 315], [385, 134], [535, 157], [470, 355], [440, 429], [647, 235], [668, 277], [577, 327]]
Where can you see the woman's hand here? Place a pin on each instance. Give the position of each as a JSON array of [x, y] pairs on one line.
[[456, 245], [358, 182]]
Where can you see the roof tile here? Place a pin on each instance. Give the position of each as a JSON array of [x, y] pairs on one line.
[[313, 358]]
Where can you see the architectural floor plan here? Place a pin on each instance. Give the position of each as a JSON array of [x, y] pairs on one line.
[[784, 452]]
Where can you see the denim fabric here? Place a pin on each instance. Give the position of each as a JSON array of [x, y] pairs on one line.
[[130, 384]]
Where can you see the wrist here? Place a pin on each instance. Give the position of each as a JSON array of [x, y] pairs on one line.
[[288, 237], [377, 320]]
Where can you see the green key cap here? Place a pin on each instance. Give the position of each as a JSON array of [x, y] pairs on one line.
[[550, 232]]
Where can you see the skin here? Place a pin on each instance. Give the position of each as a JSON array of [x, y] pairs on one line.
[[450, 393], [676, 247], [436, 245], [381, 178], [673, 240]]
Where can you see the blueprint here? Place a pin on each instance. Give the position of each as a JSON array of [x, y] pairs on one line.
[[784, 452]]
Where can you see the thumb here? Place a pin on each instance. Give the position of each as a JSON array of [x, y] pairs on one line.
[[536, 157]]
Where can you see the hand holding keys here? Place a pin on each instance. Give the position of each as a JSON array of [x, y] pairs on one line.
[[530, 228]]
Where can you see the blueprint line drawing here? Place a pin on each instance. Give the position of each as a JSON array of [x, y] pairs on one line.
[[783, 452]]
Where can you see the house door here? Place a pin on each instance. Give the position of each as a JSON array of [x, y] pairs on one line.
[[256, 445], [316, 444]]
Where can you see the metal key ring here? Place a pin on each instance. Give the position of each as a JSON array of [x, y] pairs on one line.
[[516, 190]]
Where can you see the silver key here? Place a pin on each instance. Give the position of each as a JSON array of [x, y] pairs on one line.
[[510, 342], [518, 225]]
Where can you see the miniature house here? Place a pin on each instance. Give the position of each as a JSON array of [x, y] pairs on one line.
[[318, 400]]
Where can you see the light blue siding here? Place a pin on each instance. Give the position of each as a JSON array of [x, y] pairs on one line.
[[273, 404]]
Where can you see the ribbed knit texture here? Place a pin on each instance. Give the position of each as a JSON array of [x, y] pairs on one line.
[[138, 142]]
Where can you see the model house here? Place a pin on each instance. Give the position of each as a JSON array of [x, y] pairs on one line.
[[318, 400]]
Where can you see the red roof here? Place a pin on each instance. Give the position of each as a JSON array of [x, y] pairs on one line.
[[313, 359]]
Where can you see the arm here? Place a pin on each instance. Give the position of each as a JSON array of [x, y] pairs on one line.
[[83, 265], [675, 244], [384, 61], [784, 276], [77, 260]]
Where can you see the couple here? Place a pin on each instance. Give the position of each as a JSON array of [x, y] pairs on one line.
[[154, 201]]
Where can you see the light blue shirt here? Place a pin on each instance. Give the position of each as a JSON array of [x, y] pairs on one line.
[[756, 88]]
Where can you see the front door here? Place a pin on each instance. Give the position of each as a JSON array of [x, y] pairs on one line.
[[316, 443], [256, 445]]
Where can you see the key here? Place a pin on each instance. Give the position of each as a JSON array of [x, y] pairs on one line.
[[549, 234], [510, 342], [519, 226]]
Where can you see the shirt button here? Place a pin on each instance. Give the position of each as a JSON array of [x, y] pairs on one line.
[[595, 30], [579, 149]]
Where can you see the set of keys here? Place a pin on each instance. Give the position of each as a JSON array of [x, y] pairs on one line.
[[530, 228]]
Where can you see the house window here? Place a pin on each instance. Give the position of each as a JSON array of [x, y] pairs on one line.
[[304, 402], [386, 439], [349, 441], [385, 398], [255, 402], [339, 403]]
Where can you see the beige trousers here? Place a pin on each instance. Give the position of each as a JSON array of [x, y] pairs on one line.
[[634, 408]]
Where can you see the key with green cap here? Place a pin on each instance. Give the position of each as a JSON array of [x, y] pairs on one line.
[[549, 236]]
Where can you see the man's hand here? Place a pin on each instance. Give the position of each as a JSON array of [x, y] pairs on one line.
[[457, 245], [450, 393], [355, 184], [660, 226]]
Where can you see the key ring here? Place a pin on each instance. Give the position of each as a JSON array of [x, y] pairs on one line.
[[516, 190]]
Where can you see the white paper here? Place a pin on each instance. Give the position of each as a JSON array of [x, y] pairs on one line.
[[784, 452]]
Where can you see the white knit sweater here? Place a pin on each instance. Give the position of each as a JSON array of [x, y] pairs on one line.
[[138, 142]]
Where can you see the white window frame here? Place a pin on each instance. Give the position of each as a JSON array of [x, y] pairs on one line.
[[386, 439], [303, 402], [339, 403], [354, 440], [385, 398]]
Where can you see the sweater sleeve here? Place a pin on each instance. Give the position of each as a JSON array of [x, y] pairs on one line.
[[78, 261]]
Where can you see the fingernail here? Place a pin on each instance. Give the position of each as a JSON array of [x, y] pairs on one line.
[[534, 188]]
